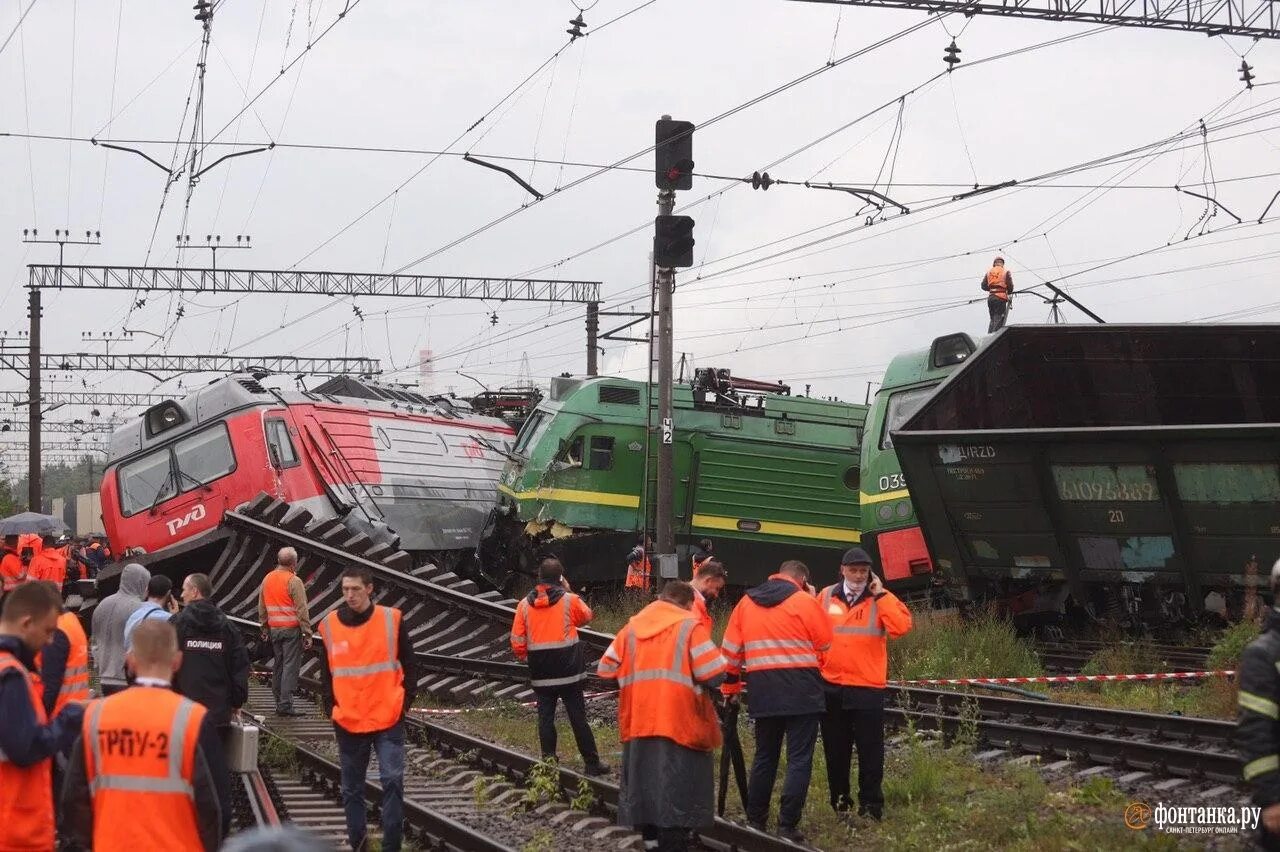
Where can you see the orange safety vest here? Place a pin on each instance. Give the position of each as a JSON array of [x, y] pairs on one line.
[[12, 572], [638, 574], [26, 792], [75, 681], [791, 635], [549, 632], [281, 612], [859, 653], [998, 282], [368, 682], [658, 660], [49, 564], [140, 762]]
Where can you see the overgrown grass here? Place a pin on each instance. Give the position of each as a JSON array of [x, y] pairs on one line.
[[947, 646]]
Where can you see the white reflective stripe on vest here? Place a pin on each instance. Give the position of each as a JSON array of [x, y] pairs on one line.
[[557, 681], [173, 783], [392, 665], [777, 644], [550, 646], [68, 686], [675, 674], [793, 660]]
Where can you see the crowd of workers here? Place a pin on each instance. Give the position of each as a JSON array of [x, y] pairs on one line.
[[55, 558], [811, 660]]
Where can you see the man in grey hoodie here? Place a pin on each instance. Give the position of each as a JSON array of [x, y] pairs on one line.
[[109, 618]]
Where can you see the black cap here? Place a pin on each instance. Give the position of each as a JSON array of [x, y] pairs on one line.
[[855, 556]]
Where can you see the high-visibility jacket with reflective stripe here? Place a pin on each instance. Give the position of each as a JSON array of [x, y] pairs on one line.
[[368, 683], [75, 680], [281, 611], [638, 574], [1258, 724], [545, 632], [49, 564], [140, 762], [777, 637], [859, 653], [664, 661], [26, 792]]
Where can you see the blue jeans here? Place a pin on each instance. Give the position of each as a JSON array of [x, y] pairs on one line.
[[353, 754]]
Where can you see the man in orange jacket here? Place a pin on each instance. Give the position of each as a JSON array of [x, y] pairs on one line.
[[709, 578], [666, 664], [139, 777], [28, 739], [778, 636], [12, 570], [545, 633], [998, 282], [370, 680], [864, 615]]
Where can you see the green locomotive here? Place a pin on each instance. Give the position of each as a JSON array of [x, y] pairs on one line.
[[766, 475], [890, 529]]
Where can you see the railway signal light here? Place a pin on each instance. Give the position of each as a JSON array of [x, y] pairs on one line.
[[673, 154], [1246, 74], [673, 241], [951, 55], [761, 181]]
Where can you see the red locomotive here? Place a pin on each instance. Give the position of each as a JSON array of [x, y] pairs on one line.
[[386, 460]]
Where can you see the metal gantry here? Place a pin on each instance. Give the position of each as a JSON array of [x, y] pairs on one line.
[[91, 362], [1256, 18], [66, 427], [104, 398], [189, 280]]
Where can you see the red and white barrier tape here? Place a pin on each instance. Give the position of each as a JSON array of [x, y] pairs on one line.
[[1105, 678], [453, 711]]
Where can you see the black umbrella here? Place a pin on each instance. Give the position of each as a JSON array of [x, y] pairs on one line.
[[25, 523]]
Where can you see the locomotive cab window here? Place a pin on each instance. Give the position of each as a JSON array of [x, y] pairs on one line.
[[901, 406], [533, 429], [280, 446], [204, 457], [145, 482], [601, 453]]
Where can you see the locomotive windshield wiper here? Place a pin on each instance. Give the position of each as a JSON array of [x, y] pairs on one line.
[[160, 495], [486, 442], [206, 486]]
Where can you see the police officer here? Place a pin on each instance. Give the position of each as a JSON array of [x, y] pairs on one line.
[[545, 633], [369, 677], [1258, 727], [139, 777], [28, 740], [864, 615]]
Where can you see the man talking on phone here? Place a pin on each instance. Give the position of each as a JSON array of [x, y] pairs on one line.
[[864, 614]]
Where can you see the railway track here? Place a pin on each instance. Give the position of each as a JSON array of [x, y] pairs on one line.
[[1071, 657], [461, 640]]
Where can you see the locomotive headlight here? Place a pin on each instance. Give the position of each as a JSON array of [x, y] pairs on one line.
[[885, 512], [902, 508]]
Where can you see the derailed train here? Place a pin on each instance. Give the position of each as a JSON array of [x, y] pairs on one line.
[[1134, 468], [417, 472]]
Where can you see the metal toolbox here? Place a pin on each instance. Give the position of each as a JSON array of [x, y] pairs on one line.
[[242, 747]]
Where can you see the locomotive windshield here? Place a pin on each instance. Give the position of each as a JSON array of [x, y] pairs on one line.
[[901, 406], [193, 462], [532, 431]]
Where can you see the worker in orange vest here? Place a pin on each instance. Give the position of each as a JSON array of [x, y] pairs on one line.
[[998, 282], [370, 681], [64, 664], [286, 623], [864, 616], [778, 636], [709, 578], [139, 776], [50, 563], [639, 570], [545, 633], [28, 740], [12, 569], [666, 666]]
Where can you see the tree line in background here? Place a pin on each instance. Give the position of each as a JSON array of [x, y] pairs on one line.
[[60, 480]]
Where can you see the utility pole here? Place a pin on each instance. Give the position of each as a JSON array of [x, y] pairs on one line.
[[593, 329], [63, 238]]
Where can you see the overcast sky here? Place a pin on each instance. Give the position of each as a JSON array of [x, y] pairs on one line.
[[791, 284]]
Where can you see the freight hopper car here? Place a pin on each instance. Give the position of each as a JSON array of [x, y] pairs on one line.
[[1130, 471], [890, 529], [765, 475], [413, 471]]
